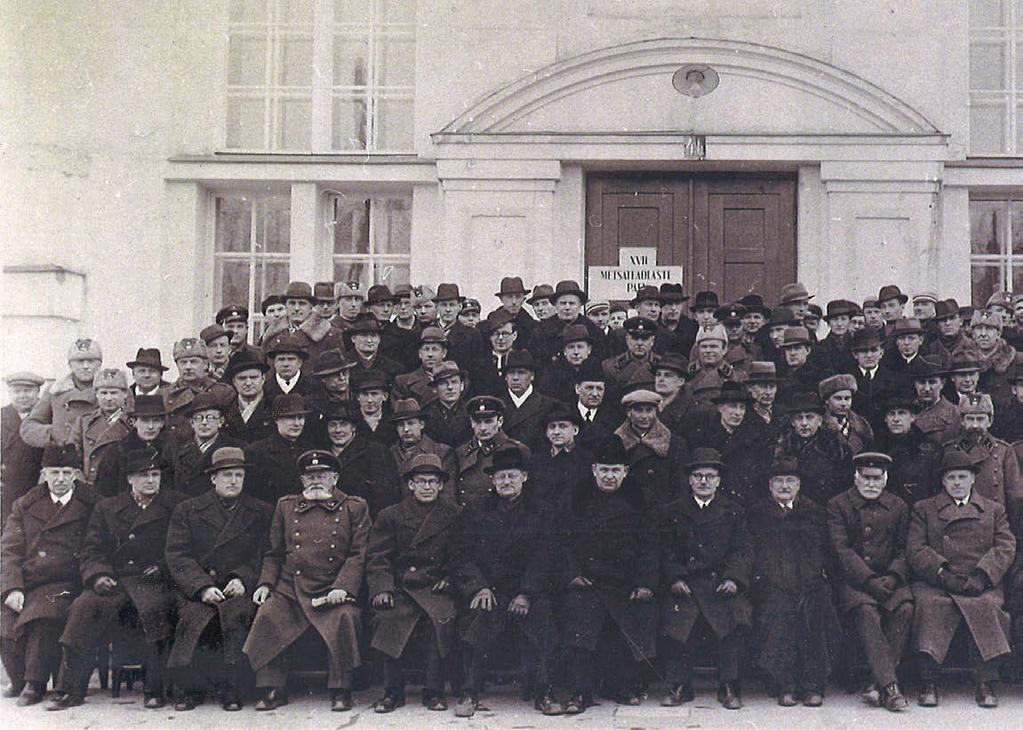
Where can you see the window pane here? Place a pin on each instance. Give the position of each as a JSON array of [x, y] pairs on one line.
[[986, 281], [295, 124], [248, 11], [399, 11], [350, 61], [271, 278], [351, 225], [1016, 230], [984, 13], [398, 62], [349, 128], [296, 11], [392, 227], [246, 61], [234, 282], [274, 234], [1019, 129], [351, 11], [246, 123], [986, 226], [1017, 279], [296, 62], [395, 125], [987, 123], [391, 274], [987, 66], [351, 271], [234, 224]]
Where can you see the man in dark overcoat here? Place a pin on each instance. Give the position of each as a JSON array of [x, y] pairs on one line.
[[192, 458], [959, 549], [127, 586], [408, 575], [149, 420], [868, 526], [410, 424], [706, 556], [215, 545], [19, 462], [824, 457], [272, 471], [309, 583], [656, 455], [367, 469], [524, 406], [607, 570], [39, 571], [557, 469], [248, 417], [471, 483], [793, 613], [500, 570], [447, 420]]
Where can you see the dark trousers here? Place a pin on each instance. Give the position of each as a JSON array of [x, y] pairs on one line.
[[883, 636], [534, 661], [983, 671], [275, 674], [424, 637], [613, 656], [35, 655], [677, 669], [208, 668], [77, 669]]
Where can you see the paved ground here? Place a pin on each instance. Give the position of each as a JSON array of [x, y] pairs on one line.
[[840, 711]]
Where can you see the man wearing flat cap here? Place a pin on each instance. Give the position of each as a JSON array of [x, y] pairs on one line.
[[19, 462], [126, 583], [959, 549], [192, 361], [148, 418], [868, 526], [837, 393], [471, 482], [271, 471], [310, 583], [100, 429], [410, 424], [408, 565], [247, 417], [39, 570], [54, 415], [432, 351], [656, 455], [215, 544], [706, 556], [639, 358], [192, 459]]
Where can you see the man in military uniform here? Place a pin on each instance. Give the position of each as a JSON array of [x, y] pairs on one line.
[[472, 483], [959, 549], [638, 361], [40, 571], [350, 299], [938, 419], [234, 318], [53, 417], [271, 461], [19, 462], [192, 362], [98, 430], [710, 369], [868, 528], [215, 544], [408, 575], [309, 584], [127, 586]]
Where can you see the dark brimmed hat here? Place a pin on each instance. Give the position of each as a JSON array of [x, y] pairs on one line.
[[446, 369], [805, 402], [141, 460], [730, 314], [591, 372], [672, 361], [299, 290], [511, 285], [149, 405], [705, 457], [540, 291], [566, 287], [269, 301], [227, 457], [244, 360], [785, 467], [962, 363], [289, 404], [954, 459], [561, 412], [731, 392], [673, 293], [902, 399], [813, 311], [330, 362], [921, 369], [424, 464], [286, 344], [520, 360], [232, 313], [433, 334], [764, 372], [891, 292], [905, 326], [705, 300], [61, 456], [498, 318], [796, 336], [370, 379], [782, 317], [481, 406], [945, 309], [206, 402], [754, 303], [510, 457], [364, 324], [379, 294], [323, 291], [213, 332], [840, 308], [646, 294], [446, 292], [866, 339], [611, 451], [341, 410], [404, 409], [317, 460], [640, 327], [575, 333], [148, 357]]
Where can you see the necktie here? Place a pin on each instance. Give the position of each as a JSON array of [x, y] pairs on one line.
[[589, 415]]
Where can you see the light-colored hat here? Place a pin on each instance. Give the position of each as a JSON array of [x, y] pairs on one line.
[[190, 347], [641, 397], [110, 378], [85, 349], [829, 386], [24, 377], [976, 403], [712, 332], [986, 318]]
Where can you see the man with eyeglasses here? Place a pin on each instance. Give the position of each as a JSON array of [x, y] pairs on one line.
[[706, 558], [486, 371], [192, 458]]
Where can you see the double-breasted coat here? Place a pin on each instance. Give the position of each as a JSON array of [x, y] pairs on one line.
[[963, 539], [208, 546], [273, 470], [368, 471], [314, 547], [39, 555], [55, 414], [869, 540], [704, 547], [111, 475], [472, 484], [94, 435], [124, 541], [259, 426], [410, 552]]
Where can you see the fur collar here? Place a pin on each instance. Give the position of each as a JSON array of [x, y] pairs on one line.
[[658, 438], [316, 327]]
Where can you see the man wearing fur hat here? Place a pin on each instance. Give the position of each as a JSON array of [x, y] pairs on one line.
[[95, 432], [709, 370], [54, 415], [837, 393], [192, 361]]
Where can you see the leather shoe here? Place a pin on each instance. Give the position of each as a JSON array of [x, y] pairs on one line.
[[547, 705], [32, 694], [631, 699], [576, 705], [436, 702], [388, 703], [678, 695], [787, 699], [871, 694], [271, 700], [729, 697], [467, 705], [341, 700], [155, 702], [184, 704], [928, 696], [231, 704], [812, 698], [14, 689], [65, 702], [893, 699], [986, 695]]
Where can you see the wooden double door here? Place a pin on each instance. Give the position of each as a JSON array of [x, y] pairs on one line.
[[732, 234]]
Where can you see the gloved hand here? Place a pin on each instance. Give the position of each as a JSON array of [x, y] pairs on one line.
[[952, 582], [875, 587], [976, 584]]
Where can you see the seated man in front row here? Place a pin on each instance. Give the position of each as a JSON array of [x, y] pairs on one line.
[[959, 549], [309, 583], [215, 545], [126, 579]]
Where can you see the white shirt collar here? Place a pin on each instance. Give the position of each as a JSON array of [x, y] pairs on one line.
[[518, 400], [583, 410], [287, 385], [62, 501], [703, 504]]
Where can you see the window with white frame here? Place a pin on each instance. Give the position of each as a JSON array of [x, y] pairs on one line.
[[996, 240], [320, 75], [252, 250], [371, 237], [996, 77]]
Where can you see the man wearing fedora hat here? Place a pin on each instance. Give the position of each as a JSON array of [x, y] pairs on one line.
[[951, 335], [568, 300], [367, 469], [892, 302], [913, 473], [271, 470], [192, 361], [907, 334], [471, 484], [525, 407], [40, 572], [875, 382], [674, 319], [215, 544], [824, 457], [289, 371], [706, 559], [796, 297], [399, 338], [19, 462], [963, 373], [512, 294], [669, 383], [372, 393], [310, 582], [831, 355], [447, 420], [464, 343], [218, 349], [560, 462], [147, 371], [192, 459], [333, 370], [410, 424], [1008, 423], [935, 416], [148, 418], [363, 340], [100, 429], [959, 549], [408, 574], [557, 375], [486, 371], [247, 417], [126, 584], [432, 351], [314, 333], [540, 301], [703, 307], [380, 303], [800, 374], [53, 417], [762, 384]]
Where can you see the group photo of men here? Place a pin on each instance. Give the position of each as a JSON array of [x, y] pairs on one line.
[[375, 489]]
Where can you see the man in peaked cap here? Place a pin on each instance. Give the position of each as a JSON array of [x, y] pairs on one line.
[[868, 526], [53, 417], [125, 580], [469, 315], [310, 583], [147, 371], [512, 294], [599, 312], [525, 407], [215, 543], [410, 423], [19, 462], [998, 472], [40, 572], [959, 548], [486, 416], [235, 319], [192, 361], [100, 429], [271, 461], [639, 357]]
